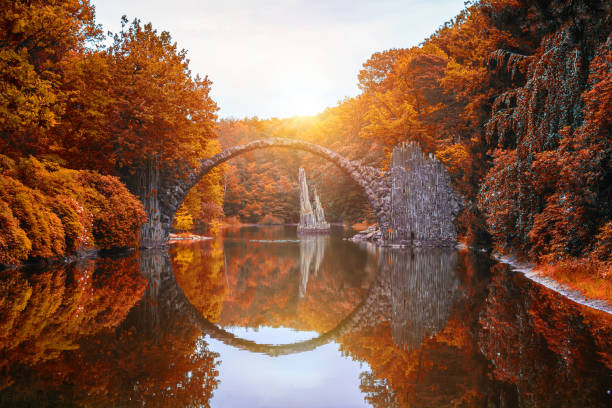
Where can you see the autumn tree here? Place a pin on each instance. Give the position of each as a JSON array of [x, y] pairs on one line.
[[36, 37], [48, 211], [202, 209], [553, 131]]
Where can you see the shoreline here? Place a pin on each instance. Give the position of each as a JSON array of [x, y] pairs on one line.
[[527, 269], [186, 237], [530, 272]]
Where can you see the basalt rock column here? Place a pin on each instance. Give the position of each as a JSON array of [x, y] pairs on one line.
[[423, 203], [307, 217], [309, 220], [319, 213]]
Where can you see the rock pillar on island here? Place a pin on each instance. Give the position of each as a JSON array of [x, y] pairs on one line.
[[310, 221]]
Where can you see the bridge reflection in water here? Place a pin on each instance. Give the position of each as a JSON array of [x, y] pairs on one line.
[[413, 290], [431, 327]]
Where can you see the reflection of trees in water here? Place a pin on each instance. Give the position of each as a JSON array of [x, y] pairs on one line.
[[509, 343], [312, 250], [153, 357], [423, 288], [154, 267], [264, 280], [550, 351], [418, 286], [47, 312], [424, 339]]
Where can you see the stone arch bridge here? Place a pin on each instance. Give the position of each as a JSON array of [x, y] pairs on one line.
[[165, 192]]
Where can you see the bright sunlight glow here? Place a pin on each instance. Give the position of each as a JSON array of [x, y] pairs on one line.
[[283, 58]]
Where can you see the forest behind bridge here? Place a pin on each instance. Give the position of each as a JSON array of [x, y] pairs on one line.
[[512, 95]]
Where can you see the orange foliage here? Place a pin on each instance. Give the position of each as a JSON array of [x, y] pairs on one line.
[[35, 37], [590, 277], [112, 109], [548, 193], [512, 95], [48, 211]]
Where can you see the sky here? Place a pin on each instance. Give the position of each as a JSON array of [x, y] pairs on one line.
[[282, 58]]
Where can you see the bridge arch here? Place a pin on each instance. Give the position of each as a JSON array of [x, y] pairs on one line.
[[172, 192]]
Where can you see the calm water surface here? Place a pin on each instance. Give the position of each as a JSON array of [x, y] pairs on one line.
[[259, 317]]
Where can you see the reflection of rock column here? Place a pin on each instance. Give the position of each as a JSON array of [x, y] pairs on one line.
[[319, 253], [311, 249], [424, 287], [153, 266]]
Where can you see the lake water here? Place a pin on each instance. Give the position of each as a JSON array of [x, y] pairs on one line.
[[259, 317]]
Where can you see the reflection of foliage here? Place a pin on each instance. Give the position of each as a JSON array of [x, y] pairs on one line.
[[174, 370], [433, 375], [264, 284], [564, 354], [378, 392], [444, 369], [45, 314], [199, 271], [67, 348], [541, 349]]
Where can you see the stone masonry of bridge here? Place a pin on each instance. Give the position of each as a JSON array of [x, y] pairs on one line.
[[167, 191]]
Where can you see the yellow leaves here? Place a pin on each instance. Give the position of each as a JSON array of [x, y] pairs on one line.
[[204, 203], [458, 161], [461, 80], [183, 221], [26, 99]]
